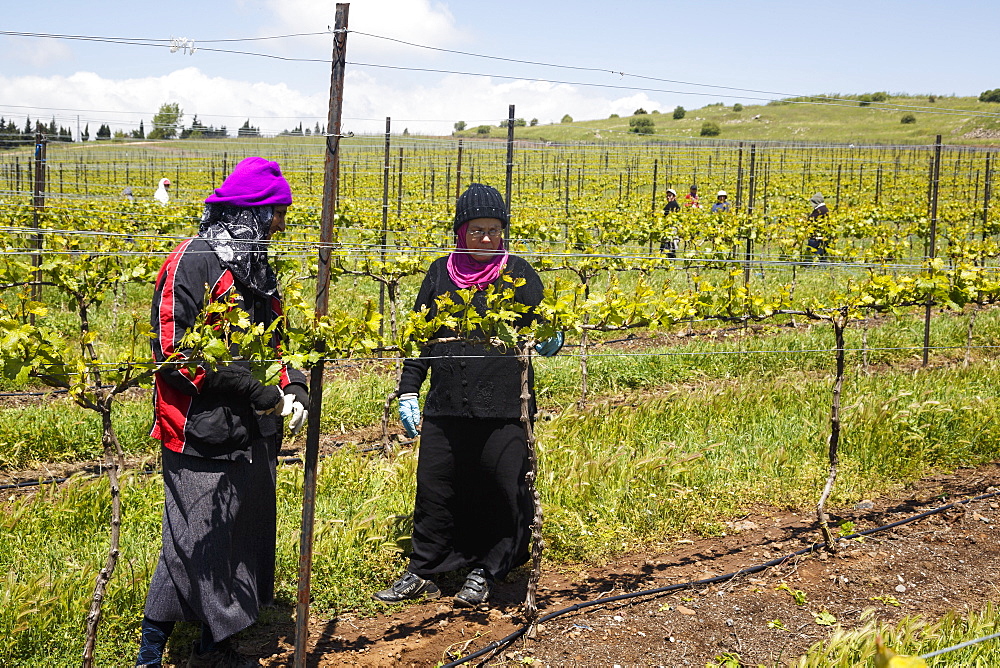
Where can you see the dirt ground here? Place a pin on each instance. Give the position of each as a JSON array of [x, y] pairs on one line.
[[946, 561]]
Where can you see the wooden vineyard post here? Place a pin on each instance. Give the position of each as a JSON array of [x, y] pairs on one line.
[[986, 193], [399, 188], [567, 188], [385, 220], [509, 167], [839, 323], [38, 203], [458, 174], [749, 253], [739, 179], [331, 183], [836, 199], [652, 201], [932, 241], [531, 478]]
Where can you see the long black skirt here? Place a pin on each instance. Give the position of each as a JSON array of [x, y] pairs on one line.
[[472, 507], [219, 524]]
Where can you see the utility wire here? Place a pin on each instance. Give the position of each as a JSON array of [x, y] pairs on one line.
[[882, 105], [791, 99]]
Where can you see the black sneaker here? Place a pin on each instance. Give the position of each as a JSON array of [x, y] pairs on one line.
[[475, 591], [407, 587]]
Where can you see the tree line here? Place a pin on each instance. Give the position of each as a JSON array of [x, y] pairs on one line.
[[166, 124], [12, 134]]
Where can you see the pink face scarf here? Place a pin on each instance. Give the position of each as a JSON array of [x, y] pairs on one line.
[[468, 272]]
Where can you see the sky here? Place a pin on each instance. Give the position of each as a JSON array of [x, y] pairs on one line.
[[611, 58]]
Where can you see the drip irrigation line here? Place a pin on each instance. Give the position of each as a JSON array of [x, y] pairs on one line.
[[32, 483], [284, 461], [506, 641], [34, 394], [24, 484]]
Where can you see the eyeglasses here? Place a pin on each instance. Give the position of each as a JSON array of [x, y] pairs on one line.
[[492, 233]]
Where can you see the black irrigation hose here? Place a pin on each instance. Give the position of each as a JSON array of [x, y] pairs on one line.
[[49, 481], [281, 460], [32, 483], [498, 645]]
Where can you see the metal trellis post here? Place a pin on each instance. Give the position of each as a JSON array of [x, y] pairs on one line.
[[932, 242]]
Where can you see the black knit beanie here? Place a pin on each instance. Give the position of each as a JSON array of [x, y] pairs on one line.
[[479, 201]]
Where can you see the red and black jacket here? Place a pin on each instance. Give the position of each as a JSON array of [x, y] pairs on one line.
[[189, 417]]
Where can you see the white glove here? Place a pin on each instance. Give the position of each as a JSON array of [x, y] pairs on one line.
[[289, 405]]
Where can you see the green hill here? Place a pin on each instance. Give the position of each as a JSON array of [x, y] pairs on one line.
[[959, 120]]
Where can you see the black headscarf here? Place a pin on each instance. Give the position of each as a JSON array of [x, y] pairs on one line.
[[237, 235]]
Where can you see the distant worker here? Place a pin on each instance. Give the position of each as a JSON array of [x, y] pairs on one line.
[[670, 242], [721, 203], [127, 194], [162, 194], [817, 242], [691, 199]]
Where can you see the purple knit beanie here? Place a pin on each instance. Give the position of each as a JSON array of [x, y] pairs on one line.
[[253, 182]]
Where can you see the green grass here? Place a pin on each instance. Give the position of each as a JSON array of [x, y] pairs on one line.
[[913, 636], [844, 122], [620, 476], [59, 431]]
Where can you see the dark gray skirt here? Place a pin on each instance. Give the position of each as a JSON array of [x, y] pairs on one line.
[[219, 521]]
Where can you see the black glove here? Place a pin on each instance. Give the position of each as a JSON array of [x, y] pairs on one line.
[[299, 392], [235, 379]]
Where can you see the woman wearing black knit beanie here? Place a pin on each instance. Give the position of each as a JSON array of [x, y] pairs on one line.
[[472, 508]]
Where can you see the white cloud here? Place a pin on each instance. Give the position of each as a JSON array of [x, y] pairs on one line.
[[122, 103], [476, 100], [427, 108], [417, 21]]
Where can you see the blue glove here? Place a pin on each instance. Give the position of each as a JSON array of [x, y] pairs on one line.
[[409, 413], [551, 345]]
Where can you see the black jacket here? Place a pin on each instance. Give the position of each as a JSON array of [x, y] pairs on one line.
[[189, 416], [470, 379]]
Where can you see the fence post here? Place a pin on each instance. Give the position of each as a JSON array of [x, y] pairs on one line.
[[986, 193], [510, 161], [932, 243], [652, 204], [399, 186], [739, 179], [38, 202], [566, 188], [836, 201], [458, 174], [750, 195], [385, 220], [331, 184]]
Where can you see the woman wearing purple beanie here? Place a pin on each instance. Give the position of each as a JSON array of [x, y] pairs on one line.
[[220, 429]]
